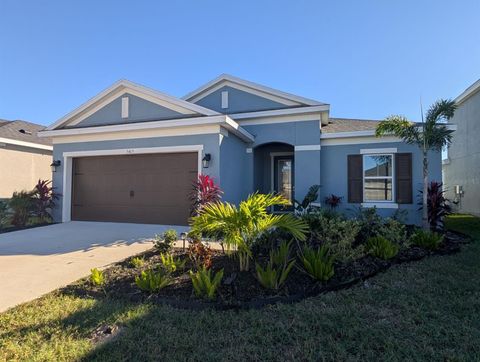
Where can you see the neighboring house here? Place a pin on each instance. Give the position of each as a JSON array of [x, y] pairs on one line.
[[461, 167], [24, 157], [131, 154]]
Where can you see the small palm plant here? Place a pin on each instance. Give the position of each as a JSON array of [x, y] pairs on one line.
[[431, 134], [242, 226]]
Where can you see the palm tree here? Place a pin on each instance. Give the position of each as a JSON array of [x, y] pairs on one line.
[[243, 225], [432, 134]]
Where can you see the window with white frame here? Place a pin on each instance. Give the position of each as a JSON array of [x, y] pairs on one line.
[[378, 178]]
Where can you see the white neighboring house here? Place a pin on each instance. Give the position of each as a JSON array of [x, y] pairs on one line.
[[24, 157], [461, 167]]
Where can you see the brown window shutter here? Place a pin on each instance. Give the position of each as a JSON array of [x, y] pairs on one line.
[[355, 178], [403, 178]]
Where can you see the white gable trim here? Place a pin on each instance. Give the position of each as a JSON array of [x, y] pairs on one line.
[[25, 144], [247, 86], [124, 86], [467, 93]]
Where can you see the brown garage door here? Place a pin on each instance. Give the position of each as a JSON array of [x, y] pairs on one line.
[[150, 188]]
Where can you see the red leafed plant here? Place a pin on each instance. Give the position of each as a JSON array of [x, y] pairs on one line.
[[438, 205], [205, 191], [333, 200], [43, 199]]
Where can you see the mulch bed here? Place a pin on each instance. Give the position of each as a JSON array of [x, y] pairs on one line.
[[241, 290]]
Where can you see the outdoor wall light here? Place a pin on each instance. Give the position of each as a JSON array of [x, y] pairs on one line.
[[206, 160], [183, 236], [55, 164]]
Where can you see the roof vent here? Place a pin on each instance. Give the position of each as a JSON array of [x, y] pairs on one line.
[[24, 131]]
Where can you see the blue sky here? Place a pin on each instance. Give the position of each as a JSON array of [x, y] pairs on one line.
[[368, 59]]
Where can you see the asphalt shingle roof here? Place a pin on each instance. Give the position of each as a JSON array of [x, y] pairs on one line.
[[23, 131], [349, 125]]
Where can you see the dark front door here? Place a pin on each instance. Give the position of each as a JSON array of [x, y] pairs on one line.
[[148, 188], [283, 178]]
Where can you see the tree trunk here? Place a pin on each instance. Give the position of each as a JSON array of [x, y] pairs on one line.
[[425, 223]]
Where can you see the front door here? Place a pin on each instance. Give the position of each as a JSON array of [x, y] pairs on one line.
[[283, 179]]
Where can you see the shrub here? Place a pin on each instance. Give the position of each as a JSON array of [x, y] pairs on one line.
[[305, 206], [164, 242], [382, 248], [338, 234], [153, 280], [438, 206], [241, 226], [204, 285], [21, 205], [318, 263], [426, 239], [277, 269], [96, 277], [333, 201], [3, 213], [170, 263], [43, 200], [372, 224], [200, 255], [205, 191], [137, 262]]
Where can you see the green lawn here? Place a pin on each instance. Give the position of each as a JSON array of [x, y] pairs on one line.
[[428, 310]]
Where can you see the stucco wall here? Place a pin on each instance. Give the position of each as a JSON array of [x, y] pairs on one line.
[[238, 101], [21, 168], [463, 167], [334, 175]]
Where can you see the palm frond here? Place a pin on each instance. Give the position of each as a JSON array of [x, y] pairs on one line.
[[441, 110], [401, 127]]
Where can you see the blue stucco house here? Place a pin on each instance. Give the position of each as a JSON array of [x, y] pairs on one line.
[[131, 154]]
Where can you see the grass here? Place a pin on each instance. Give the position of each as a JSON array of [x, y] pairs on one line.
[[429, 310]]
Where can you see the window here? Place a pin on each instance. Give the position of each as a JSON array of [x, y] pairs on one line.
[[378, 178]]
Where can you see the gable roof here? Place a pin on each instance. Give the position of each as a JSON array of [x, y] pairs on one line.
[[254, 88], [23, 133], [470, 91], [336, 125], [124, 86]]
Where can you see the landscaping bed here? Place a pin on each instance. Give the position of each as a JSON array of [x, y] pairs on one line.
[[241, 290]]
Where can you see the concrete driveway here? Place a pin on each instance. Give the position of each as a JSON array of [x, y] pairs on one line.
[[36, 261]]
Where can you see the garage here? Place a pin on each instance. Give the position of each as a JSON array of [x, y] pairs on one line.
[[138, 188]]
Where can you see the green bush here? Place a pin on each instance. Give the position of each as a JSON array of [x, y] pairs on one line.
[[318, 263], [426, 239], [137, 262], [153, 280], [381, 247], [372, 224], [171, 264], [96, 277], [3, 213], [164, 242], [337, 233], [204, 284], [21, 205], [275, 273]]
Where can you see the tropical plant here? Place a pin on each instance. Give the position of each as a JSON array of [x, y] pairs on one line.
[[372, 224], [242, 226], [204, 283], [200, 255], [153, 280], [21, 205], [381, 247], [137, 262], [171, 264], [318, 263], [431, 134], [335, 232], [96, 277], [278, 267], [205, 191], [333, 201], [305, 206], [426, 239], [43, 200], [438, 206], [164, 242]]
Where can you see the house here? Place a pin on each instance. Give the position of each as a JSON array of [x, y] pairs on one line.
[[24, 157], [461, 167], [131, 154]]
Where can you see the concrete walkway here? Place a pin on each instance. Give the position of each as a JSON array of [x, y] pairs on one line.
[[36, 261]]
